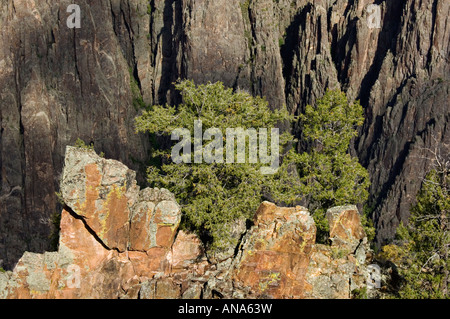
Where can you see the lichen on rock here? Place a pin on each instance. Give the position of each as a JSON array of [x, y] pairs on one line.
[[134, 248]]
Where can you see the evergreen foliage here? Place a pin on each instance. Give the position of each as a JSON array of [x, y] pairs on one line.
[[329, 174], [421, 251], [214, 195]]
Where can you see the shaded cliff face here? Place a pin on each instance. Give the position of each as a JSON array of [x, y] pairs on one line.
[[57, 84]]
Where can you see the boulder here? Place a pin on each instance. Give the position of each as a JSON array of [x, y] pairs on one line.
[[332, 273], [186, 250], [113, 236], [346, 230], [101, 192], [275, 253]]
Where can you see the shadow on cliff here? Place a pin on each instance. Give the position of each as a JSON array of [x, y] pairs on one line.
[[170, 36]]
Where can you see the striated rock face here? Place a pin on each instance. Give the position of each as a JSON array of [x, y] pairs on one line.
[[117, 241], [58, 84]]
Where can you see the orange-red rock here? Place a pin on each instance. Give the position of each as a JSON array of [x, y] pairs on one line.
[[345, 226], [275, 253], [186, 250], [118, 241]]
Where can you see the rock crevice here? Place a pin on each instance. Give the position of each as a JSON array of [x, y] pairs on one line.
[[118, 241], [59, 84]]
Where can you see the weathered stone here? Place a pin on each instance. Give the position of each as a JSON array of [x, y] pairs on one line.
[[100, 195], [227, 247], [160, 288], [276, 258], [167, 289], [154, 225], [132, 288], [78, 244], [141, 226], [186, 250], [147, 264], [148, 290], [275, 252], [194, 291], [361, 251], [345, 226], [166, 220], [99, 191], [330, 273]]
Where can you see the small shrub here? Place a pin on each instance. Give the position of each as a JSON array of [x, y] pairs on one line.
[[360, 293], [81, 144]]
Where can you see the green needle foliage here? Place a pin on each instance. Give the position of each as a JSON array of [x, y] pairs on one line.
[[422, 251], [329, 175], [81, 144], [214, 195]]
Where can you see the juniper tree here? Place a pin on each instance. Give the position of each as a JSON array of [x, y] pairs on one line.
[[213, 195], [329, 175], [421, 248]]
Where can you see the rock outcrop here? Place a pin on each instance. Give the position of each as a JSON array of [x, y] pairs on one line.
[[58, 84], [275, 253], [337, 270], [117, 241]]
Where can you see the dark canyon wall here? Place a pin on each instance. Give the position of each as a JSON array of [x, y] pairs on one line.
[[58, 84]]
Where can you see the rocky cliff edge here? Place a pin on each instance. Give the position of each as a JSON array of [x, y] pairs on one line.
[[118, 241]]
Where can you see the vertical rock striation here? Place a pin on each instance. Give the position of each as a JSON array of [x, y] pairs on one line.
[[58, 84]]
